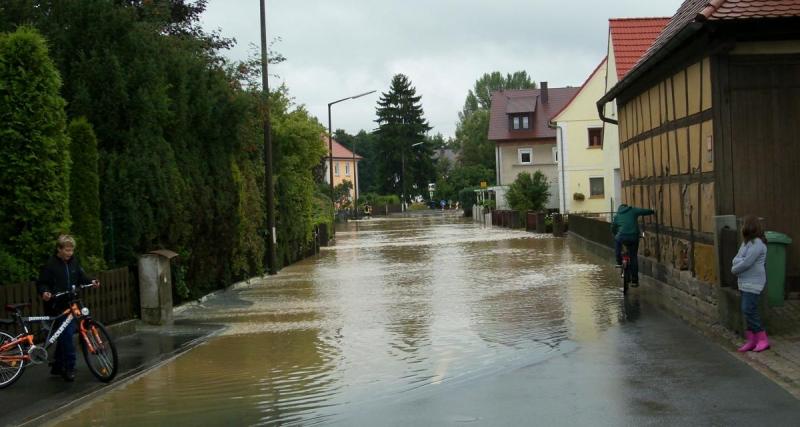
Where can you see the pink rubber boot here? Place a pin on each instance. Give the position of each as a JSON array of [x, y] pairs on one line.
[[750, 343], [762, 343]]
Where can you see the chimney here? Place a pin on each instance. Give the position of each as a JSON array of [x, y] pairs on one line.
[[543, 92]]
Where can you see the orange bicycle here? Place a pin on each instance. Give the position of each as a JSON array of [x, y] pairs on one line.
[[23, 350]]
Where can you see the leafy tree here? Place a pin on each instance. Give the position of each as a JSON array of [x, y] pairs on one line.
[[529, 193], [341, 194], [473, 120], [400, 125], [461, 177], [84, 194], [364, 144], [34, 155]]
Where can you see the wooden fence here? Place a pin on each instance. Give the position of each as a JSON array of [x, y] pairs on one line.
[[113, 301]]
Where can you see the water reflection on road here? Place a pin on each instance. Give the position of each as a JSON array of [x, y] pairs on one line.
[[397, 305]]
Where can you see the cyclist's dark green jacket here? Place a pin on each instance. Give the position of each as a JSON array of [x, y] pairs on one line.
[[625, 225], [58, 276]]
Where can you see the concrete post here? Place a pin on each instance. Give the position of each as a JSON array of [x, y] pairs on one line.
[[155, 287]]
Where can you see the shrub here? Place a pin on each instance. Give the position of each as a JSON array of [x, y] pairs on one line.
[[529, 193]]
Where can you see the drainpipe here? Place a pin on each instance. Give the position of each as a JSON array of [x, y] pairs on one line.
[[560, 130]]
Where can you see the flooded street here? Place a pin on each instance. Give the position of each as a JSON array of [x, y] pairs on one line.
[[405, 317]]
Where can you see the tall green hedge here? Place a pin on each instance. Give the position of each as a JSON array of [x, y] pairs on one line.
[[34, 157], [84, 190], [180, 139]]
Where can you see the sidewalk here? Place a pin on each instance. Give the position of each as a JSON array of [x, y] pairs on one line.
[[781, 362], [38, 396]]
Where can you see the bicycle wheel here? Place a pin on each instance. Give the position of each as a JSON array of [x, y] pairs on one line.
[[99, 351], [626, 276], [11, 364]]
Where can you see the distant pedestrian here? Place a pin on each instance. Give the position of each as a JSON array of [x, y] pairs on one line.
[[61, 272], [442, 203], [748, 266]]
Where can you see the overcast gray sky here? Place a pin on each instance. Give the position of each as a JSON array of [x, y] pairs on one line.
[[338, 48]]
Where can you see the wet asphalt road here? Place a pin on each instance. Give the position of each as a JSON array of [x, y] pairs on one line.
[[432, 320]]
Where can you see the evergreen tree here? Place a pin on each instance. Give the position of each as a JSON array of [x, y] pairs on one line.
[[84, 194], [400, 125], [34, 156]]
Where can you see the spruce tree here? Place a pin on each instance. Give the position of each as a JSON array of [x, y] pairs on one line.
[[400, 125], [84, 191], [34, 157]]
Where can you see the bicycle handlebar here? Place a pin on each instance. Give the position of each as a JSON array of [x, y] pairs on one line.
[[61, 294]]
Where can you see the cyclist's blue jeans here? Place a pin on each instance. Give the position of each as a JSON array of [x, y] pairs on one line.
[[633, 252], [750, 311], [65, 347]]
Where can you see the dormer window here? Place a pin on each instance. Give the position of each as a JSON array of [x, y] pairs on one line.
[[519, 121]]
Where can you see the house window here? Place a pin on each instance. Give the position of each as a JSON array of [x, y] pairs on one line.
[[347, 169], [596, 187], [595, 137], [525, 156], [336, 168], [555, 155], [520, 122]]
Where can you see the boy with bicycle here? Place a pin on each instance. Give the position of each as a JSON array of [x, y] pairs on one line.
[[59, 274], [625, 228]]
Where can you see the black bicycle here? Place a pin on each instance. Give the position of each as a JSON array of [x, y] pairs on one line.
[[23, 350]]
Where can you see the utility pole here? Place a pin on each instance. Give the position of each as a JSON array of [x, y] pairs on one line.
[[269, 192]]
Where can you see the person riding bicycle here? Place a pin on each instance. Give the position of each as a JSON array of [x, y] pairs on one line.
[[625, 228], [59, 274]]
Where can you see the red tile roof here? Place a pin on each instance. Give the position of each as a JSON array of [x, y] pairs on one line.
[[339, 152], [743, 9], [498, 118], [700, 11], [703, 10], [631, 37]]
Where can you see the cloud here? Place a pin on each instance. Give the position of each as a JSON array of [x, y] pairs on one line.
[[337, 48]]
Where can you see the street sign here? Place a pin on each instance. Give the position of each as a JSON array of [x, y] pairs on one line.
[[484, 184]]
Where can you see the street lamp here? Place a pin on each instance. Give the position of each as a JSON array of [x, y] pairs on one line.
[[272, 263], [330, 143], [403, 174]]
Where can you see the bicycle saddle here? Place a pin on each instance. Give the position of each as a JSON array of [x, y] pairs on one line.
[[14, 307]]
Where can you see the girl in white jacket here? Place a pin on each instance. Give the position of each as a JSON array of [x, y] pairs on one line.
[[748, 266]]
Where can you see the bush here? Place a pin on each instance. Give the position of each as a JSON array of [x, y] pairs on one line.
[[529, 193], [375, 199]]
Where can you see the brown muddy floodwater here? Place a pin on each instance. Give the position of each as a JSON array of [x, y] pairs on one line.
[[397, 305]]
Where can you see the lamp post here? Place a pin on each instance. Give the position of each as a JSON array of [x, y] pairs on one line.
[[269, 191], [330, 144], [355, 181], [403, 175]]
